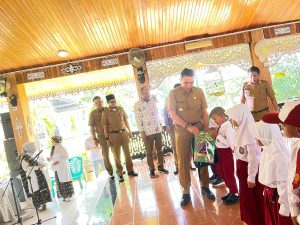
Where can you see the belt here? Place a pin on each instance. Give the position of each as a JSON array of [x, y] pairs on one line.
[[116, 132], [265, 109], [193, 124]]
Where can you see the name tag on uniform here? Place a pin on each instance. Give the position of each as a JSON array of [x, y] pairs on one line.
[[180, 109]]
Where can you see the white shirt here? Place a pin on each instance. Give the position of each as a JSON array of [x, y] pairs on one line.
[[62, 168], [147, 118], [251, 154], [94, 151], [294, 200], [273, 173], [225, 136], [273, 167]]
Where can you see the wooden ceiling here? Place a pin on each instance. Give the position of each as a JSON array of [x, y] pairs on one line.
[[32, 31]]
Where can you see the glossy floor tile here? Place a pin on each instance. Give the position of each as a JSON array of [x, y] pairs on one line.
[[147, 201]]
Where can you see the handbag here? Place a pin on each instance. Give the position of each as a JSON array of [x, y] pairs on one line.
[[203, 149]]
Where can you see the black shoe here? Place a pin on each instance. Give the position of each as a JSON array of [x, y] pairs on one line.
[[186, 198], [152, 174], [225, 197], [208, 193], [218, 182], [176, 170], [212, 178], [132, 174], [163, 170], [192, 168], [112, 177], [232, 199], [121, 179]]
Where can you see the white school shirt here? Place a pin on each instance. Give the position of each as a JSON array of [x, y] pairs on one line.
[[95, 152], [294, 200], [273, 173], [225, 136], [249, 153]]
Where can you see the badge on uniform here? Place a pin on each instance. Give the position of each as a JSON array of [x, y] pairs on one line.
[[195, 97], [180, 109], [241, 150]]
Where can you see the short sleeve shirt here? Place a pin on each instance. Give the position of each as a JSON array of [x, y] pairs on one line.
[[188, 105], [256, 95], [114, 118], [95, 120]]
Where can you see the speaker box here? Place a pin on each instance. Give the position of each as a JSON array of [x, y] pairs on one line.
[[7, 126], [11, 153]]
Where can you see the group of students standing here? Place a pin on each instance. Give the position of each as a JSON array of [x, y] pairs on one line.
[[268, 175]]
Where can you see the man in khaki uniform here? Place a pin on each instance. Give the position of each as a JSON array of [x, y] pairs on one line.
[[188, 110], [117, 133], [255, 94], [170, 130], [97, 133]]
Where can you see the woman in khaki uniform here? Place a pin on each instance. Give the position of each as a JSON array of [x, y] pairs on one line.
[[117, 133], [188, 110]]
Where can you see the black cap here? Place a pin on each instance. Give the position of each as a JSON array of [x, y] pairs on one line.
[[110, 97]]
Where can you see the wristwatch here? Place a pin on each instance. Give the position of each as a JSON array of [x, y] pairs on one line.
[[107, 138]]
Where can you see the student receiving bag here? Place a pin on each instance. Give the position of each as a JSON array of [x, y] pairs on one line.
[[203, 149]]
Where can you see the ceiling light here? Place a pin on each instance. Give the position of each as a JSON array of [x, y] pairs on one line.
[[62, 53]]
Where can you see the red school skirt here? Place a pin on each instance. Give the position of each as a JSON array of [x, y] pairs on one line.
[[272, 216], [225, 168], [251, 199]]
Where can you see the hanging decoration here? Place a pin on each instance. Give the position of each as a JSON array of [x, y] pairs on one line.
[[279, 74], [215, 86], [19, 127], [71, 68], [269, 51], [238, 55]]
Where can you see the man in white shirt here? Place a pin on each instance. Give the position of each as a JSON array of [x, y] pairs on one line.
[[148, 123]]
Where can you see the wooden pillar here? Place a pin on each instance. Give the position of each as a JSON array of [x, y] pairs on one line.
[[265, 74], [138, 84], [20, 115]]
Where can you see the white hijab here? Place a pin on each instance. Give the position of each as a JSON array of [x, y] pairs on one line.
[[275, 155], [29, 148], [242, 115]]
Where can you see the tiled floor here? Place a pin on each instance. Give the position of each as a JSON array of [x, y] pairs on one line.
[[143, 200], [140, 200]]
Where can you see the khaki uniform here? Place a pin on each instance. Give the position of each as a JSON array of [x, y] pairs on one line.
[[256, 97], [188, 106], [95, 121], [115, 120]]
